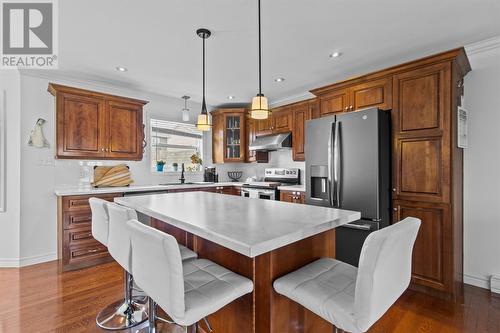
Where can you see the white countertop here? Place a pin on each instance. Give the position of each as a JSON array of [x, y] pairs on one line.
[[296, 188], [248, 226], [88, 190]]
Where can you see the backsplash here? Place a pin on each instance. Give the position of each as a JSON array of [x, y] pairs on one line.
[[277, 159]]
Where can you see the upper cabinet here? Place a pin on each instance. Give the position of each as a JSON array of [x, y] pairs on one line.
[[229, 135], [92, 125], [345, 98], [282, 120], [252, 155], [301, 112]]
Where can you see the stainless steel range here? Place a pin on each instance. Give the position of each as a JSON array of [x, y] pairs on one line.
[[268, 189]]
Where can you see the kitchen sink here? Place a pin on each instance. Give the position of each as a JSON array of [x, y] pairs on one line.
[[187, 183]]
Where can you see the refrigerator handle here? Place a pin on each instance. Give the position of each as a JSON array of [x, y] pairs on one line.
[[337, 163], [330, 167]]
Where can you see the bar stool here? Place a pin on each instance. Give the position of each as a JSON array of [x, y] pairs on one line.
[[109, 228], [187, 291], [354, 299]]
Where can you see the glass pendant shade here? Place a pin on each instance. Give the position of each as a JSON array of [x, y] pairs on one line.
[[185, 114], [260, 107], [203, 123]]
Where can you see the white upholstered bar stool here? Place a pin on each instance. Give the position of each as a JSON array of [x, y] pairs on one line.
[[187, 291], [354, 299]]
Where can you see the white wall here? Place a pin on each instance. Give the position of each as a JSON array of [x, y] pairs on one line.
[[482, 165], [10, 218], [41, 173]]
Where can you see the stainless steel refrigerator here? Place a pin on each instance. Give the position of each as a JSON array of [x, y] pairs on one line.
[[348, 165]]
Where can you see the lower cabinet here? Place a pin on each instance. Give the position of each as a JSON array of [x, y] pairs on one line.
[[76, 247], [432, 264], [292, 196]]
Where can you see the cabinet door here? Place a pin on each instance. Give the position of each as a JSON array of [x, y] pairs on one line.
[[217, 138], [250, 127], [282, 120], [377, 93], [124, 127], [421, 130], [301, 113], [422, 100], [234, 139], [336, 101], [432, 261], [286, 196], [80, 128], [264, 126]]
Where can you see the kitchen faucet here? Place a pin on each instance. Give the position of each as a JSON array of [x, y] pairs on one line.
[[182, 179]]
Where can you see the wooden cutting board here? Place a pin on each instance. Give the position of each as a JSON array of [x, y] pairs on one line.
[[112, 176]]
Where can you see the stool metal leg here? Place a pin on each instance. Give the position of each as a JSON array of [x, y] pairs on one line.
[[152, 316], [124, 313]]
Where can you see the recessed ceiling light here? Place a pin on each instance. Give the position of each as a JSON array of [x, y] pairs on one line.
[[279, 79], [230, 97], [121, 69], [335, 55]]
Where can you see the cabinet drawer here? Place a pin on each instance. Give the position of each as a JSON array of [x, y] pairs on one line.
[[77, 219], [79, 237], [81, 202], [87, 255]]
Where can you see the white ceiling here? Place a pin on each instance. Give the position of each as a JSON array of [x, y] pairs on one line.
[[156, 41]]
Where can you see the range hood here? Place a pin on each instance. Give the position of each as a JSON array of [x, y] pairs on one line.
[[272, 142]]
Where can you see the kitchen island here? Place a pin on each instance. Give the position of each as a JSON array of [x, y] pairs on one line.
[[259, 239]]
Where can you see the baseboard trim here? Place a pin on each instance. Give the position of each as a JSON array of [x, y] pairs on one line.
[[28, 261], [477, 281]]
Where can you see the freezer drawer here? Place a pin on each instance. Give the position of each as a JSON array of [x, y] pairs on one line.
[[350, 239]]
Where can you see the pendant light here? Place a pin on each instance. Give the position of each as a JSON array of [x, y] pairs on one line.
[[203, 122], [185, 111], [260, 107]]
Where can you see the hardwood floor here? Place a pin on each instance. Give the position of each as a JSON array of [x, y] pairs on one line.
[[40, 299]]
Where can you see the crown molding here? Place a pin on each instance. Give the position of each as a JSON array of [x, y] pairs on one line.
[[483, 45]]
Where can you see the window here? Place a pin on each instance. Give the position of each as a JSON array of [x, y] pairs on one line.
[[175, 143]]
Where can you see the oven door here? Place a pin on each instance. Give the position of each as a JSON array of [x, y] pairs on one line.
[[257, 193]]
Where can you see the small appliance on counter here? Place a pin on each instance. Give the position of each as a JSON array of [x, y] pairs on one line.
[[210, 175], [268, 189]]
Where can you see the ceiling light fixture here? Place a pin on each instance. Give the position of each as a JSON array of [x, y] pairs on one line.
[[335, 55], [203, 122], [230, 97], [260, 107], [185, 111], [121, 69], [279, 79]]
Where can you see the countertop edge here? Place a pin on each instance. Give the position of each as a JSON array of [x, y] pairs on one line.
[[67, 191]]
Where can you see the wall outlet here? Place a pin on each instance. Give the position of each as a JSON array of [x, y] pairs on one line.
[[495, 284]]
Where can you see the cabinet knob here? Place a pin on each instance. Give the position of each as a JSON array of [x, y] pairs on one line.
[[351, 107], [394, 190], [346, 108], [395, 209], [102, 149]]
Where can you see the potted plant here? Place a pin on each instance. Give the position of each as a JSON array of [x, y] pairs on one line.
[[175, 165], [159, 165], [196, 161]]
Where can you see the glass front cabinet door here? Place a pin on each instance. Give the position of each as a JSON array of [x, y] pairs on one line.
[[234, 137]]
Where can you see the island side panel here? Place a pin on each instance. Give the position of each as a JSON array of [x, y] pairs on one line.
[[237, 316], [286, 315]]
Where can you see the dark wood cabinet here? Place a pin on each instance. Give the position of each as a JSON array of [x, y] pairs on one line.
[[92, 125], [76, 246], [301, 112], [432, 264], [347, 97], [264, 126], [252, 155], [282, 121], [229, 136], [423, 96], [292, 196]]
